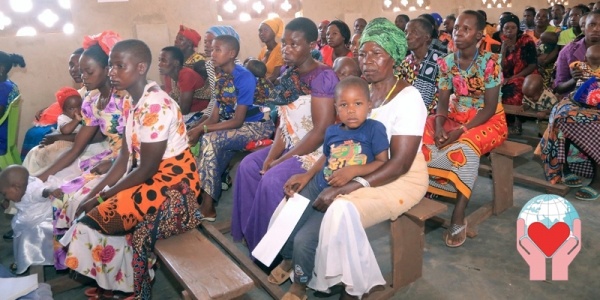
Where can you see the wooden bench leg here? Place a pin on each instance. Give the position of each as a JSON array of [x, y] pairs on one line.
[[39, 270], [185, 295], [502, 176], [407, 246]]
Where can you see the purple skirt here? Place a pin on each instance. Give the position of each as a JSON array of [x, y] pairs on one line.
[[255, 196]]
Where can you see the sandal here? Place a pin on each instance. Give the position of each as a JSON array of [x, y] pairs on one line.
[[290, 296], [98, 293], [516, 130], [453, 231], [570, 178], [590, 191], [278, 276]]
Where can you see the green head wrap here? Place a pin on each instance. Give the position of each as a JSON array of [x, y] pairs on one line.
[[385, 34]]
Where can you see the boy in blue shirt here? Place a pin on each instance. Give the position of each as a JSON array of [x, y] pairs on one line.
[[355, 147]]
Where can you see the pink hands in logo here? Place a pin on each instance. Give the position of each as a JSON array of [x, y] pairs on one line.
[[561, 259]]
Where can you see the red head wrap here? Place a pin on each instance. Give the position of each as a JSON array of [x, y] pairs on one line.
[[65, 93], [326, 22], [190, 34], [106, 40]]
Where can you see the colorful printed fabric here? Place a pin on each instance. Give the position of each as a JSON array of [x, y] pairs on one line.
[[424, 76], [588, 94], [570, 121], [446, 39], [469, 86], [513, 63], [264, 92], [454, 168], [290, 87], [106, 40], [226, 95], [587, 70], [190, 34], [548, 70], [219, 148], [9, 91], [546, 102]]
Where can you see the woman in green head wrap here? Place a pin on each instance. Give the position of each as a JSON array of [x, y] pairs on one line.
[[382, 195]]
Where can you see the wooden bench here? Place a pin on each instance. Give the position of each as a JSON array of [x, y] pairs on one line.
[[503, 178], [519, 111], [407, 245], [201, 268]]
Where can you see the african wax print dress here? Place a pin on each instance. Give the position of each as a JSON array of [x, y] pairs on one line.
[[454, 168], [513, 63]]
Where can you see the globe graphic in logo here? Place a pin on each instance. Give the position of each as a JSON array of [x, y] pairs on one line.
[[548, 210]]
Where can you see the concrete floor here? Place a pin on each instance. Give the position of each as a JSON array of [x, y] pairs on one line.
[[485, 267]]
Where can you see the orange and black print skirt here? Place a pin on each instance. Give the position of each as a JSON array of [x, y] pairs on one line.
[[122, 212]]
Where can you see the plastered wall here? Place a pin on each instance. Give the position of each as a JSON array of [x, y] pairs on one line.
[[47, 55]]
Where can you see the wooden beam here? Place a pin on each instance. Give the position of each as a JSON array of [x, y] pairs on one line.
[[558, 189], [245, 263]]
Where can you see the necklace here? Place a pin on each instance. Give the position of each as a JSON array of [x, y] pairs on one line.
[[390, 92], [470, 65]]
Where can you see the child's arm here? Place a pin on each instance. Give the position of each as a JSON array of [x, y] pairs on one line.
[[56, 193], [70, 127], [345, 174], [297, 182]]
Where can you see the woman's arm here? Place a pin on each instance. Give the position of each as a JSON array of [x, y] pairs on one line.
[[115, 173], [69, 127], [235, 123], [185, 102], [323, 116], [526, 71], [550, 57], [275, 152], [275, 74], [403, 150], [345, 174], [82, 139]]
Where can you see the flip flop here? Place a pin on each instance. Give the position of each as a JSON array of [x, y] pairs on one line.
[[453, 231], [279, 276], [209, 219], [571, 177], [97, 293], [590, 191]]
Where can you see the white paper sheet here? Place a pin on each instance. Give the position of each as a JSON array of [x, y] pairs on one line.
[[13, 288], [270, 245]]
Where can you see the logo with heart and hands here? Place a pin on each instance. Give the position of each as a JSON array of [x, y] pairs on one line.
[[548, 227]]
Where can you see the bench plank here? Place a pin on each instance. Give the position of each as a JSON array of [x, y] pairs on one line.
[[426, 208], [203, 270], [518, 110], [512, 149], [557, 189]]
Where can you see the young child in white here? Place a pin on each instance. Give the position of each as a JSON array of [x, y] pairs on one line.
[[41, 157], [32, 225]]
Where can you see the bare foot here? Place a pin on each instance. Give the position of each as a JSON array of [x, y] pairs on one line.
[[207, 209]]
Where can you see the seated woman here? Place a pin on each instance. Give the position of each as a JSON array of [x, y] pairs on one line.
[[435, 36], [468, 124], [420, 67], [46, 119], [338, 39], [69, 122], [154, 158], [388, 192], [8, 91], [322, 35], [270, 32], [235, 121], [305, 106], [519, 60], [184, 85]]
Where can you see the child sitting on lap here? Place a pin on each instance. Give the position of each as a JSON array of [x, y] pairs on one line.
[[355, 147], [345, 66], [591, 66], [68, 122], [32, 225]]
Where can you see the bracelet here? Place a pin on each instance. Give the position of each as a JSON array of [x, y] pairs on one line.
[[362, 181], [205, 129], [463, 127], [440, 115]]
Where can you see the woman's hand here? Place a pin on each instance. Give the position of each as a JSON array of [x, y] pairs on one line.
[[57, 193], [49, 139], [440, 136], [195, 134], [576, 73], [507, 45], [38, 115], [341, 177], [87, 206], [269, 163], [507, 80], [452, 137], [295, 184], [102, 167], [327, 196]]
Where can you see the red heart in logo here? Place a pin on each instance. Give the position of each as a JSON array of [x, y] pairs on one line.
[[548, 240]]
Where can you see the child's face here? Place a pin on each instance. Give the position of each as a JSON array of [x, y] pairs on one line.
[[72, 107], [344, 70], [221, 53], [352, 106], [13, 192], [592, 58], [125, 70], [354, 44]]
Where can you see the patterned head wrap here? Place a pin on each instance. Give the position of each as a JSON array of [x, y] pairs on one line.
[[190, 34], [276, 25], [385, 34], [588, 93], [106, 40], [223, 30], [326, 22], [65, 93]]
